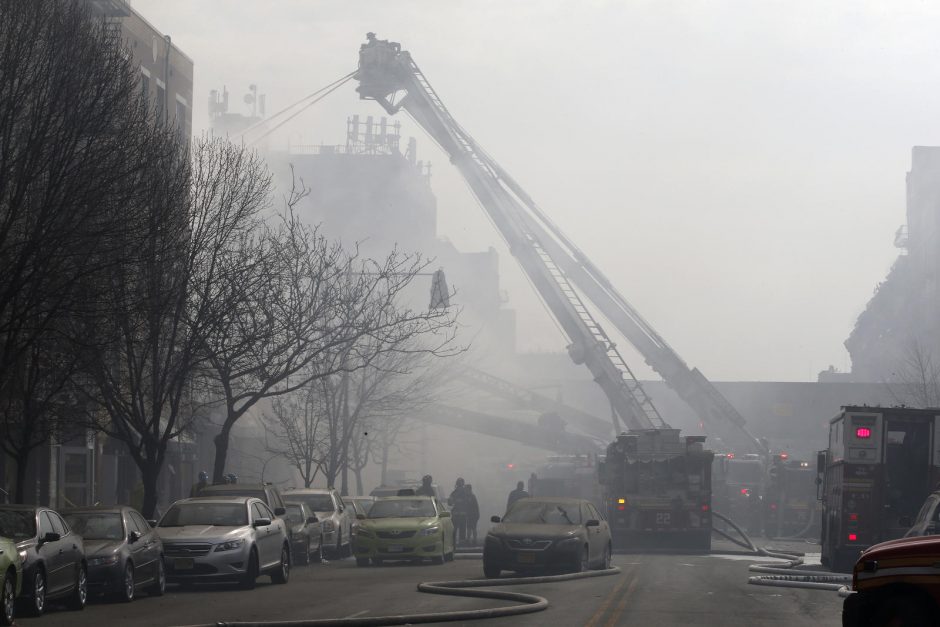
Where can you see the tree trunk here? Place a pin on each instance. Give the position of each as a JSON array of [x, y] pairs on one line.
[[21, 462], [359, 490], [385, 447], [150, 473], [221, 441], [344, 480]]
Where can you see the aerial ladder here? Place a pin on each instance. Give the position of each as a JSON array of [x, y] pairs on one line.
[[561, 272], [656, 486]]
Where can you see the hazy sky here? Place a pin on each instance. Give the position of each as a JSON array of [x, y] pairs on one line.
[[737, 168]]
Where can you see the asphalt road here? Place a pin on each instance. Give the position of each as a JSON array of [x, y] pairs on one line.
[[661, 590]]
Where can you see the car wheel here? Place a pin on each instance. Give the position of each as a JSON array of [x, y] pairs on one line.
[[8, 599], [159, 584], [491, 569], [129, 587], [80, 592], [37, 596], [605, 563], [251, 574], [449, 557], [282, 573], [303, 556], [318, 556], [362, 561], [437, 560], [581, 562]]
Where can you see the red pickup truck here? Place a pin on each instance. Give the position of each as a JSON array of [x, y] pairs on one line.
[[896, 584]]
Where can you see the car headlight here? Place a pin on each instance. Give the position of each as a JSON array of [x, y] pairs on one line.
[[231, 545], [110, 560], [327, 525], [430, 531], [23, 555], [571, 541]]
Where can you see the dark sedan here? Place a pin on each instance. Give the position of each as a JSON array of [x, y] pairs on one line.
[[123, 553], [547, 534], [53, 557], [306, 536]]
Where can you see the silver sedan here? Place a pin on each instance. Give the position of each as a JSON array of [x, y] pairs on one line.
[[227, 539]]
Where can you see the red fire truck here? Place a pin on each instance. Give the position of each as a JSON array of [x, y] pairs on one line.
[[880, 466]]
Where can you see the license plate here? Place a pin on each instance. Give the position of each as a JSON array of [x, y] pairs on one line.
[[395, 548], [525, 558], [183, 563]]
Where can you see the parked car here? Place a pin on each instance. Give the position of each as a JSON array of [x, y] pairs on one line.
[[547, 534], [53, 557], [895, 583], [224, 539], [405, 528], [335, 522], [927, 522], [123, 553], [307, 537], [11, 577]]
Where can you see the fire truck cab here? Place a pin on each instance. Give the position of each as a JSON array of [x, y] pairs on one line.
[[873, 479]]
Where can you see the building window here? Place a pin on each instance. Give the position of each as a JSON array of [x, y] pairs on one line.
[[161, 98], [181, 119], [145, 84]]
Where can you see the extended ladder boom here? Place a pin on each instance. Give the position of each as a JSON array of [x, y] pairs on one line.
[[561, 273]]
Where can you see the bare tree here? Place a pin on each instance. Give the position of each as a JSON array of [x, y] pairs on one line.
[[295, 424], [75, 135], [915, 381], [143, 364], [310, 308]]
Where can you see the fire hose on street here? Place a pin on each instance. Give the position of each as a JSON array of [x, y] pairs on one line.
[[525, 603], [785, 575]]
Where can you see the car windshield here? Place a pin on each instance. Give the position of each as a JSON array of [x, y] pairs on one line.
[[17, 525], [538, 512], [402, 508], [97, 526], [215, 514], [295, 513], [315, 502]]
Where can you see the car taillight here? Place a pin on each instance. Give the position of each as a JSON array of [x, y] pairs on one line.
[[745, 491], [853, 537]]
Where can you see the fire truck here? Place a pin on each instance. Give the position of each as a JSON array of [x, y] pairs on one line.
[[738, 488], [879, 468], [790, 505]]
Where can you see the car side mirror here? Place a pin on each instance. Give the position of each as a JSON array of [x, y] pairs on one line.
[[592, 523], [51, 536], [445, 514], [905, 521], [133, 537], [494, 519], [152, 523], [279, 511], [360, 516], [261, 522]]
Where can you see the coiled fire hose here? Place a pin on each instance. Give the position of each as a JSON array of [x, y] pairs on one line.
[[785, 575], [526, 603]]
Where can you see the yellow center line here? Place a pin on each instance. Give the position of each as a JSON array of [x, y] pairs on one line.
[[603, 608], [615, 617]]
